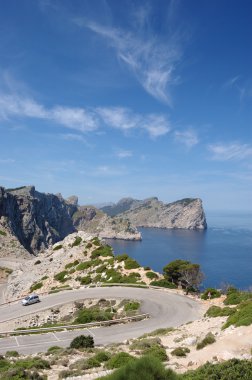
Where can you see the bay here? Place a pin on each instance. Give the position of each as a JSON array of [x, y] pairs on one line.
[[224, 250]]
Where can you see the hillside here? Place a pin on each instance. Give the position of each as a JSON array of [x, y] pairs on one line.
[[187, 213]]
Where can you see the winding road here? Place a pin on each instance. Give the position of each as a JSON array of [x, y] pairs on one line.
[[166, 309]]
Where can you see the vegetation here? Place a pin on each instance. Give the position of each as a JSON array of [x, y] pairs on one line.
[[37, 262], [3, 233], [11, 354], [242, 315], [36, 286], [131, 263], [180, 351], [85, 265], [185, 273], [82, 341], [151, 275], [132, 305], [214, 293], [86, 280], [234, 296], [93, 314], [104, 251], [216, 311], [122, 257], [157, 351], [61, 276], [209, 339], [73, 264], [163, 283], [57, 247], [77, 241], [54, 349], [119, 360]]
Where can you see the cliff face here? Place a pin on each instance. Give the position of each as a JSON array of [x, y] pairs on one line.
[[187, 213], [36, 219]]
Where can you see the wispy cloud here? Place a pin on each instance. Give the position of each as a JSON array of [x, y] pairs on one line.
[[6, 161], [231, 151], [124, 154], [73, 137], [231, 82], [83, 119], [188, 137], [124, 119], [153, 60]]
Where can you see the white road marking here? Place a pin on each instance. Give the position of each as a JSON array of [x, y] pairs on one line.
[[16, 341], [91, 332], [56, 337]]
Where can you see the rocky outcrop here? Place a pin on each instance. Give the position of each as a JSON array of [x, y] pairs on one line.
[[123, 205], [35, 218], [38, 220], [187, 213], [94, 221]]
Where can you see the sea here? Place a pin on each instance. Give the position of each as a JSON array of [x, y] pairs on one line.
[[224, 250]]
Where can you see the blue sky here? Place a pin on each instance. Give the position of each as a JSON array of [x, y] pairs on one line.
[[106, 99]]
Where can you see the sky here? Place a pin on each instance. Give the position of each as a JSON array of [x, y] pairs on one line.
[[107, 99]]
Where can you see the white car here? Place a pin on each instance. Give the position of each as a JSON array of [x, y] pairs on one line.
[[32, 298]]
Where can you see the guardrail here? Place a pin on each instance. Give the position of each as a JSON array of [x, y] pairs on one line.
[[138, 317]]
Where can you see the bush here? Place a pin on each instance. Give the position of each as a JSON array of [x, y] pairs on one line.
[[85, 265], [147, 268], [85, 280], [61, 276], [157, 351], [241, 317], [3, 233], [214, 293], [37, 262], [151, 275], [119, 360], [233, 369], [92, 315], [53, 349], [102, 356], [32, 362], [36, 286], [216, 311], [145, 368], [143, 344], [59, 246], [234, 297], [180, 351], [82, 341], [134, 305], [12, 354], [96, 241], [77, 241], [164, 284], [104, 251], [122, 257], [44, 278], [131, 263], [73, 264], [209, 339]]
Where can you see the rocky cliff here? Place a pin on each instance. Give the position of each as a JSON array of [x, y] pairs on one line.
[[187, 213], [38, 220]]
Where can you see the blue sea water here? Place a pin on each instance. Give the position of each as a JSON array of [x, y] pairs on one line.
[[224, 250]]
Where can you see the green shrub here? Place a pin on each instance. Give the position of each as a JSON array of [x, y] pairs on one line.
[[92, 315], [77, 241], [147, 268], [133, 305], [73, 264], [89, 245], [209, 339], [32, 362], [214, 293], [59, 246], [233, 369], [85, 265], [82, 341], [151, 275], [36, 286], [54, 349], [44, 278], [145, 368], [131, 263], [180, 351], [119, 360], [143, 344], [104, 251], [12, 354], [164, 284], [102, 356], [101, 268], [72, 270], [96, 241], [157, 351], [85, 280], [122, 257], [61, 276], [242, 316], [216, 311], [3, 233], [234, 297]]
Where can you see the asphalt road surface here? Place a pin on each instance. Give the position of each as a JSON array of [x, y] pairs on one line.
[[166, 309]]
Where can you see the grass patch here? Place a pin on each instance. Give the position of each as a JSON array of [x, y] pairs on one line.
[[3, 233], [61, 276], [209, 339], [77, 241], [104, 251], [180, 351], [59, 246], [241, 317], [73, 264], [118, 360], [216, 311], [132, 306], [36, 286], [163, 284], [85, 265]]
